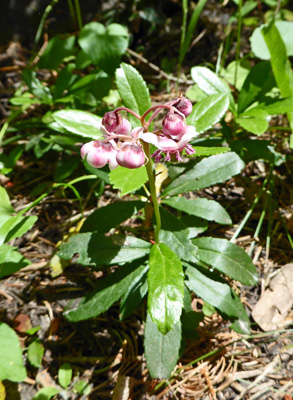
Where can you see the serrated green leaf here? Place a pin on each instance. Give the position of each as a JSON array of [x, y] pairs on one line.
[[104, 45], [208, 112], [108, 291], [207, 172], [210, 83], [219, 295], [180, 244], [253, 85], [35, 353], [200, 207], [65, 375], [46, 393], [161, 351], [165, 287], [134, 294], [255, 121], [228, 258], [96, 249], [133, 91], [110, 216], [10, 260], [11, 366], [79, 122], [128, 180]]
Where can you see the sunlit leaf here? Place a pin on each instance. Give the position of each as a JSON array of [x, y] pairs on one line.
[[165, 287]]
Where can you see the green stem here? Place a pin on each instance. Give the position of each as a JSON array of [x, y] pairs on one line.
[[238, 39], [72, 12], [250, 211], [259, 225], [78, 14], [47, 11], [149, 168]]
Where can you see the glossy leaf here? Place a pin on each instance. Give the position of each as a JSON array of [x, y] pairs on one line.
[[108, 291], [280, 64], [104, 45], [46, 393], [79, 122], [200, 207], [134, 294], [165, 287], [133, 91], [210, 83], [11, 366], [65, 375], [255, 121], [10, 260], [228, 258], [128, 180], [35, 353], [161, 351], [219, 295], [110, 216], [179, 242], [211, 170], [208, 112], [253, 85], [96, 249], [259, 45]]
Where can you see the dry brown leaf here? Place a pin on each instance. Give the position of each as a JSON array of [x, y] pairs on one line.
[[271, 310]]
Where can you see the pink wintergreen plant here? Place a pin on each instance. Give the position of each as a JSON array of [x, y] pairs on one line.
[[129, 148]]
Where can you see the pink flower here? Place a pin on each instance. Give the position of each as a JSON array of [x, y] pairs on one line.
[[173, 146], [99, 153], [130, 156]]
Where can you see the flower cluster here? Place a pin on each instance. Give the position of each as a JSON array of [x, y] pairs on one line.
[[122, 145]]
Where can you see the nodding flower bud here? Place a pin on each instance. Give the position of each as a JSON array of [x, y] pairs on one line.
[[130, 156], [111, 121], [173, 125], [98, 153], [184, 106], [124, 128]]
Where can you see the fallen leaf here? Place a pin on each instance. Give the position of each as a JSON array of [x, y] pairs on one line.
[[273, 307]]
